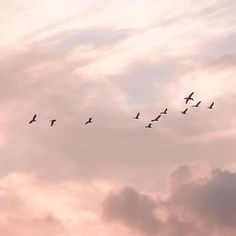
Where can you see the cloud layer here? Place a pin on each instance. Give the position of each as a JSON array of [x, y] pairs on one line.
[[109, 60]]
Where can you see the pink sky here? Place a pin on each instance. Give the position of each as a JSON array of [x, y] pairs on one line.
[[71, 60]]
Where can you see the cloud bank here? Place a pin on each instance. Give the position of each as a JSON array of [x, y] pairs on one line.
[[196, 204]]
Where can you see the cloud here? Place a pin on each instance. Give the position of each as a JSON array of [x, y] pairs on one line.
[[133, 209], [211, 201], [29, 205], [110, 60], [47, 225], [200, 202]]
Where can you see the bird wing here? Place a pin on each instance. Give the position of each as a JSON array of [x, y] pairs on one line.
[[191, 94], [211, 105], [34, 117]]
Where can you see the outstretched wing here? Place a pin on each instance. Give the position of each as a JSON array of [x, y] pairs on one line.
[[33, 119], [191, 94]]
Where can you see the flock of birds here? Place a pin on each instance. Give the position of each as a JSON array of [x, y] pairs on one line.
[[189, 98]]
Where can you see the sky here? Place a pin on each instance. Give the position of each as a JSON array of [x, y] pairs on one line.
[[72, 59]]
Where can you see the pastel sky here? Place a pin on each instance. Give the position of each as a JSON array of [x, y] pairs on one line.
[[110, 59]]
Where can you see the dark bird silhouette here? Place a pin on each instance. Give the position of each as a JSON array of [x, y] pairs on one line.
[[149, 126], [189, 97], [197, 105], [156, 118], [89, 121], [185, 111], [137, 116], [52, 122], [33, 119], [211, 106], [165, 111]]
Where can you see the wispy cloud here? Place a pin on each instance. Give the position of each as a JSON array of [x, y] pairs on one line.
[[72, 60]]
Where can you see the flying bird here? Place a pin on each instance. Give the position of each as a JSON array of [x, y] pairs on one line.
[[89, 121], [137, 116], [197, 105], [185, 111], [165, 111], [189, 97], [52, 122], [33, 119], [156, 118], [211, 106], [149, 126]]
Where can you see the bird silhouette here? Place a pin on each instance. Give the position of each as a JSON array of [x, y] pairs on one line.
[[149, 126], [33, 119], [164, 112], [197, 105], [189, 97], [89, 121], [52, 122], [156, 118], [137, 116], [185, 111], [211, 106]]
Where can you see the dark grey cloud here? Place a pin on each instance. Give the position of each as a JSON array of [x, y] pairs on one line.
[[132, 208], [212, 201], [196, 205]]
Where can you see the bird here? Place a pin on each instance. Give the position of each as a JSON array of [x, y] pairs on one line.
[[137, 116], [52, 122], [211, 106], [89, 121], [33, 119], [189, 97], [184, 112], [149, 126], [164, 112], [197, 105], [156, 118]]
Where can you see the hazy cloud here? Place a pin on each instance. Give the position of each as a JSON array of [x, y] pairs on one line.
[[109, 60]]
